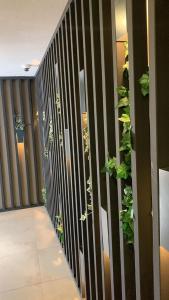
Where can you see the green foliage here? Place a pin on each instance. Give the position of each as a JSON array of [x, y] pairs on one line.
[[123, 102], [144, 83], [89, 209], [126, 66], [123, 170], [127, 215], [86, 140], [51, 132], [110, 166], [59, 228], [46, 153], [125, 144], [44, 195], [84, 216], [126, 50], [125, 118], [61, 139], [58, 103], [19, 123], [122, 91]]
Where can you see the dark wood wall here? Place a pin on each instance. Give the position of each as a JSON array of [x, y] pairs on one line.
[[20, 161], [77, 90]]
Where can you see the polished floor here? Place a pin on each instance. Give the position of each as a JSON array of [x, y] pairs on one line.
[[32, 263]]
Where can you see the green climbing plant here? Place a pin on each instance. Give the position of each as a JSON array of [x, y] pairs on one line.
[[19, 123], [51, 132], [58, 104], [59, 228], [89, 209], [127, 215], [144, 84], [123, 170], [44, 195], [46, 153]]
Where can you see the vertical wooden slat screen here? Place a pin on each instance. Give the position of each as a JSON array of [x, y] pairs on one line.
[[16, 100], [78, 80]]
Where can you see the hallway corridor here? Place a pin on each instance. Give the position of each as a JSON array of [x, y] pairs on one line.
[[32, 263]]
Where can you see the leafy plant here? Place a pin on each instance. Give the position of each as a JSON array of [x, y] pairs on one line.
[[51, 132], [126, 50], [126, 66], [44, 196], [122, 91], [144, 83], [19, 123], [89, 209], [123, 102], [46, 153], [127, 215], [123, 170], [110, 166], [58, 104], [125, 118], [59, 228], [126, 143], [86, 140], [61, 139]]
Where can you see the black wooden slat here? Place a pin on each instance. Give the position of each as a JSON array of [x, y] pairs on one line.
[[141, 166], [110, 148], [60, 90], [63, 37], [73, 146]]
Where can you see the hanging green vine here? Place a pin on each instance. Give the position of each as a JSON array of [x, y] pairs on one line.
[[44, 196], [46, 153], [59, 228], [58, 104], [89, 209], [51, 132], [144, 84], [19, 123], [123, 171], [86, 140]]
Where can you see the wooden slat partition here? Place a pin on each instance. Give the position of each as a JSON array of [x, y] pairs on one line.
[[19, 186], [80, 73]]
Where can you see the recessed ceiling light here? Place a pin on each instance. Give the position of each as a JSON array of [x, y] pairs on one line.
[[34, 63]]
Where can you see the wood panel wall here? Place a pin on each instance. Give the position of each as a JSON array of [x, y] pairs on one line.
[[77, 88], [20, 161]]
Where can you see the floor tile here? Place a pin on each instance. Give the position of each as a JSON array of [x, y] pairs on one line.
[[61, 289], [53, 264], [32, 262], [26, 293], [19, 270]]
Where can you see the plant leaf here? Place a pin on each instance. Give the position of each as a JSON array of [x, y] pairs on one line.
[[124, 118], [123, 102]]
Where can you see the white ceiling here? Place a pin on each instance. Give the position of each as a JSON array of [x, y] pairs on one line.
[[26, 27]]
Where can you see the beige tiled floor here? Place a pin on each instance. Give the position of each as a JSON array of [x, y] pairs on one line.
[[32, 263]]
